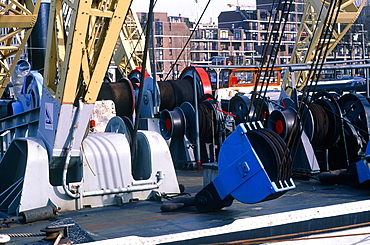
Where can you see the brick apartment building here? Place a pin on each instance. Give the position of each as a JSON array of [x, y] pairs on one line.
[[238, 38], [170, 36], [241, 35]]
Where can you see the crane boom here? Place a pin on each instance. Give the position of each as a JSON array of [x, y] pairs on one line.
[[317, 19], [129, 53], [83, 37], [19, 17]]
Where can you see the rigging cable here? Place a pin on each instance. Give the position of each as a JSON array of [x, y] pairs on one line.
[[139, 39], [316, 68], [133, 145], [187, 41], [273, 53]]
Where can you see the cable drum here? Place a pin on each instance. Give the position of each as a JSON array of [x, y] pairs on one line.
[[183, 90], [190, 128], [122, 94], [167, 97], [283, 121], [174, 92], [206, 122], [172, 123], [321, 129], [333, 112], [356, 109], [286, 162], [239, 106]]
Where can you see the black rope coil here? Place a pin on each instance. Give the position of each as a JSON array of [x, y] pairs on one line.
[[321, 126], [174, 92], [273, 153]]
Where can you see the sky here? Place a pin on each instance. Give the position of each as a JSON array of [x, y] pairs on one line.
[[190, 8]]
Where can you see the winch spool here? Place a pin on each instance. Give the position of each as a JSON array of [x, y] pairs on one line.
[[356, 109], [172, 123], [333, 113], [283, 121], [239, 106], [122, 125], [207, 125], [190, 127], [248, 156], [201, 77], [321, 130], [174, 92], [122, 94], [285, 171]]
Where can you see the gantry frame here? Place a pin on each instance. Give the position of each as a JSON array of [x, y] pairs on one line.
[[310, 46]]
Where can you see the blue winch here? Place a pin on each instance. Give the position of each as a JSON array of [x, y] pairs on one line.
[[254, 165]]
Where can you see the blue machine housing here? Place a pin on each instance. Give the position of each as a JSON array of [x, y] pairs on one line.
[[241, 176], [249, 182], [363, 167]]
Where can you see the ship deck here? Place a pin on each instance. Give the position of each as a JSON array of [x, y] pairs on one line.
[[308, 209]]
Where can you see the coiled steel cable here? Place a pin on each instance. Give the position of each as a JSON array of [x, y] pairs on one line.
[[313, 77]]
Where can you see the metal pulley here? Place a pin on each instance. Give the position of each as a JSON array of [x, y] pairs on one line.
[[190, 126], [172, 123], [122, 125], [239, 106], [356, 109], [201, 77], [283, 122], [210, 122]]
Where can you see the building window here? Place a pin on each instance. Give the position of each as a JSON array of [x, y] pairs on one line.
[[170, 52], [264, 36], [237, 35], [236, 46], [160, 66], [263, 15], [159, 41], [209, 34], [170, 40], [143, 17], [214, 46], [290, 49], [254, 36], [239, 60], [158, 28], [215, 34], [224, 34], [254, 26], [159, 54]]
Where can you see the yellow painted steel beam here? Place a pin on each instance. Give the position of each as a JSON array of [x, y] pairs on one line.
[[82, 41], [316, 20], [19, 17], [130, 51]]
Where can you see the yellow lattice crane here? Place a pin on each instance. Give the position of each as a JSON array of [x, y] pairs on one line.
[[130, 49], [320, 17], [17, 19]]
